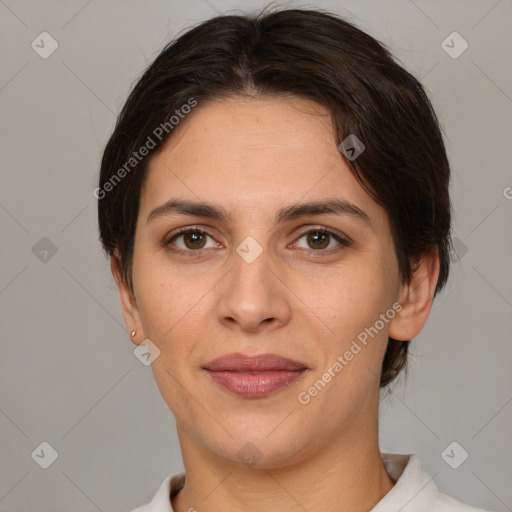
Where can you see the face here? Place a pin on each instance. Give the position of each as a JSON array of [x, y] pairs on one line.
[[259, 273]]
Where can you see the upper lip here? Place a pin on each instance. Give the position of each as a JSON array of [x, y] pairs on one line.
[[237, 362]]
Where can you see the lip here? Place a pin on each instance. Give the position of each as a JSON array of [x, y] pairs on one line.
[[254, 376]]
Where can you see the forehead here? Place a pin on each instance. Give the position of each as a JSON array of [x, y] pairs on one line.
[[256, 153], [255, 128]]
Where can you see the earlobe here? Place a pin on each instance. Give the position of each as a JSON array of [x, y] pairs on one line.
[[416, 299], [128, 302]]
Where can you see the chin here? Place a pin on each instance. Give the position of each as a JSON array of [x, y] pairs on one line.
[[254, 451]]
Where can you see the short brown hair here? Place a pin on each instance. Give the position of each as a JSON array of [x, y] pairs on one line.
[[318, 56]]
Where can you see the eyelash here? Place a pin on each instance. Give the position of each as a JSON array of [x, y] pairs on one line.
[[193, 253]]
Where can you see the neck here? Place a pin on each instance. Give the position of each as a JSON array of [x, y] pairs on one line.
[[347, 475]]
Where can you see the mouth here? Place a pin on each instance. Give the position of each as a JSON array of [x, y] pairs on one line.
[[254, 376]]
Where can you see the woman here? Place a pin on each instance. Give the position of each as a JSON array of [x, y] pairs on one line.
[[274, 201]]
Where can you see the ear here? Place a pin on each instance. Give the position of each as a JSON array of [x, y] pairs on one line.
[[416, 299], [128, 302]]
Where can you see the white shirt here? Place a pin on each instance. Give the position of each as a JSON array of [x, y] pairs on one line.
[[414, 490]]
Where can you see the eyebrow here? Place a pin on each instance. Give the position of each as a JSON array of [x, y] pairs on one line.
[[294, 211]]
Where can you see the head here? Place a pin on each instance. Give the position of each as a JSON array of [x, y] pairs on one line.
[[300, 131]]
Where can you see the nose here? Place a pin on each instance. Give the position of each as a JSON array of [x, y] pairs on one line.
[[252, 297]]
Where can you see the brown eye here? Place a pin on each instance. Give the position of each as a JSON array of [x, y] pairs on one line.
[[194, 240], [191, 240], [318, 240]]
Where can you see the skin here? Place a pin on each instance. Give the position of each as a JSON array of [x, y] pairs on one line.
[[253, 157]]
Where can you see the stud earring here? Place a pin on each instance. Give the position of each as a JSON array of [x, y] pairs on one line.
[[133, 333]]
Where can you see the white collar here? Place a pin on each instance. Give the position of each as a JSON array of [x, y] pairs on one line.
[[414, 490]]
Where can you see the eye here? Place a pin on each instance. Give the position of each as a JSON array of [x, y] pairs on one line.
[[191, 239], [320, 239]]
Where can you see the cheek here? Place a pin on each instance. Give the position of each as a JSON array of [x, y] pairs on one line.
[[167, 301], [347, 299], [172, 317], [350, 303], [173, 308]]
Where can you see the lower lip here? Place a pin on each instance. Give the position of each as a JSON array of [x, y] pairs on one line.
[[255, 384]]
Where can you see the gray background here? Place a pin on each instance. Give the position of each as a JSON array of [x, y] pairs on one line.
[[68, 375]]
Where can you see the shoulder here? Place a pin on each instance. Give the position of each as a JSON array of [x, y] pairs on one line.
[[445, 503], [161, 501], [415, 490]]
